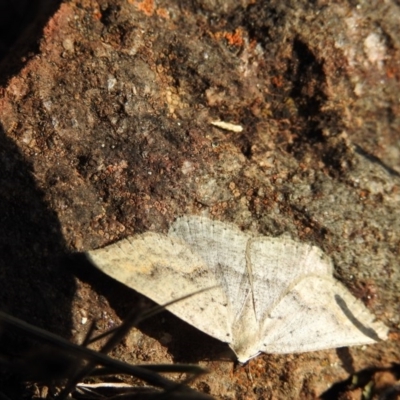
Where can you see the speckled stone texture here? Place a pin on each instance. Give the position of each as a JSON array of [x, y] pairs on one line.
[[106, 132]]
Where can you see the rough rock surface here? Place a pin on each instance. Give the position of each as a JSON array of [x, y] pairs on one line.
[[106, 132]]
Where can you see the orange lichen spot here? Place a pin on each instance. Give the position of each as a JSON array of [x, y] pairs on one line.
[[146, 6], [97, 15], [392, 72], [234, 39], [163, 13]]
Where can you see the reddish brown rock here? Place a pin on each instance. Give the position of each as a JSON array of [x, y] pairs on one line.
[[106, 132]]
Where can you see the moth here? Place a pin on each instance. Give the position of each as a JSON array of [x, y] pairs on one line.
[[271, 295]]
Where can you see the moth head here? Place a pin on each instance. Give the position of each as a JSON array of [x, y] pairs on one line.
[[245, 351]]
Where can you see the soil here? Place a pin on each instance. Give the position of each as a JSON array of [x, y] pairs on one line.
[[106, 111]]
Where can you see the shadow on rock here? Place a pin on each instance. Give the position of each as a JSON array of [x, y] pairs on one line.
[[21, 26], [33, 287]]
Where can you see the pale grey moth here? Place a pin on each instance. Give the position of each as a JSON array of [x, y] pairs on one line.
[[273, 295]]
